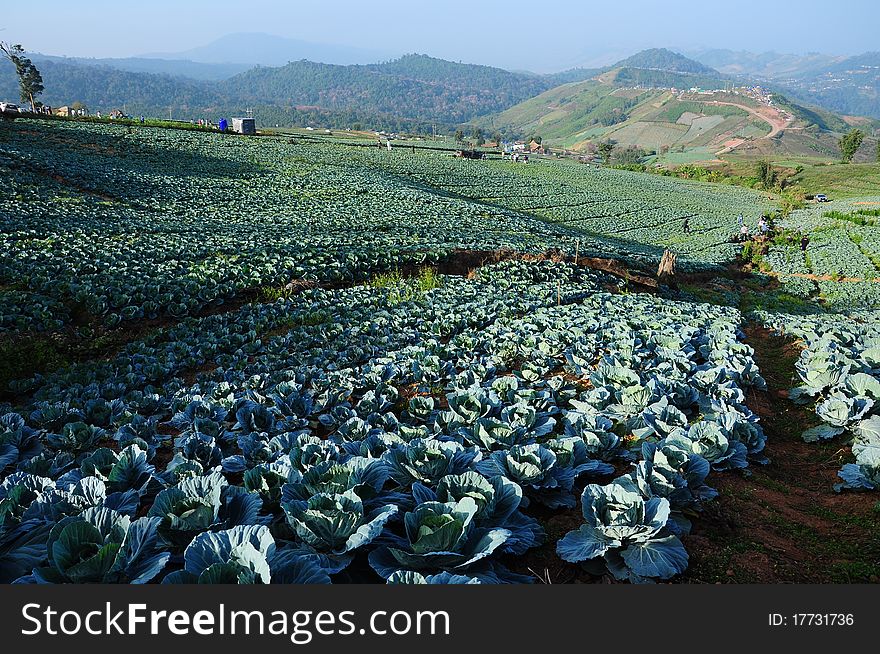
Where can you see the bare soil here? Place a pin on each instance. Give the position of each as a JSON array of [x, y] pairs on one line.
[[784, 522]]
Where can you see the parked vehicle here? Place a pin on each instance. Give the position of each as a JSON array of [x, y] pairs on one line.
[[9, 108], [821, 197]]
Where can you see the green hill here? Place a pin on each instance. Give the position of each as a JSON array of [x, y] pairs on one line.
[[414, 86], [652, 110], [666, 60], [413, 90]]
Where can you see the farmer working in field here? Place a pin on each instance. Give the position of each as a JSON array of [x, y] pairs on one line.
[[762, 226]]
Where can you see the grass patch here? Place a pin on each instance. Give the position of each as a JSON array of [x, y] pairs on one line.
[[855, 572], [717, 566], [401, 288]]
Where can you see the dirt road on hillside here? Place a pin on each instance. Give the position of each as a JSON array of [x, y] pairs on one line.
[[769, 115]]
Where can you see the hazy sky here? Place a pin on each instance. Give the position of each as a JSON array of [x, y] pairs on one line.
[[540, 35]]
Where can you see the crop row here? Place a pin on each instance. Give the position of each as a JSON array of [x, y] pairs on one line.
[[359, 434]]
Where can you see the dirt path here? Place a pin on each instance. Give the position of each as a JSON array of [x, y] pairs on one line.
[[784, 522], [769, 115]]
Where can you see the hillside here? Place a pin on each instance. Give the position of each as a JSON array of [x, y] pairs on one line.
[[666, 60], [764, 65], [102, 88], [849, 85], [421, 93], [682, 126], [414, 86], [409, 90], [174, 67]]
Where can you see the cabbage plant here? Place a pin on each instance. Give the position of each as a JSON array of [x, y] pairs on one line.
[[442, 536], [626, 534], [245, 554], [102, 546], [336, 524]]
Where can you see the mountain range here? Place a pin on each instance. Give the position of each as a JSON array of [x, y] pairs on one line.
[[411, 91], [849, 85], [255, 48], [418, 92]]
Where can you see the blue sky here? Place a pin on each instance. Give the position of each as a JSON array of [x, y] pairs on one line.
[[539, 34]]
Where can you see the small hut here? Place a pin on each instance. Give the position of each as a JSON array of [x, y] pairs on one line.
[[244, 126]]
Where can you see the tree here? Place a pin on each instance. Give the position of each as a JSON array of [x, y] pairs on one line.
[[30, 82], [605, 149], [878, 150], [767, 174], [850, 143], [498, 138], [459, 135], [630, 155]]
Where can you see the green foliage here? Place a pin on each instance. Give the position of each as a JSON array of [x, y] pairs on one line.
[[692, 171], [753, 253], [405, 289], [864, 217], [767, 175], [605, 150], [792, 199], [428, 279], [630, 155], [30, 82], [822, 119], [850, 143], [644, 77]]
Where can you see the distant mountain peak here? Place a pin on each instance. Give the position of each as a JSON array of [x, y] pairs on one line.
[[666, 60], [272, 50]]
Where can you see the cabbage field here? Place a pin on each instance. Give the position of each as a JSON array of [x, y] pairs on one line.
[[275, 360]]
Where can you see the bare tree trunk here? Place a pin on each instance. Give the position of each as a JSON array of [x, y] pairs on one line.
[[666, 270]]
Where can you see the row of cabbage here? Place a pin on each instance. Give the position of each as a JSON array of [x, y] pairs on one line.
[[647, 211], [352, 435], [839, 375], [789, 260], [836, 248], [194, 219], [133, 223]]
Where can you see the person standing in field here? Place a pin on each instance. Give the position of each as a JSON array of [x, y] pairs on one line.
[[686, 226]]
